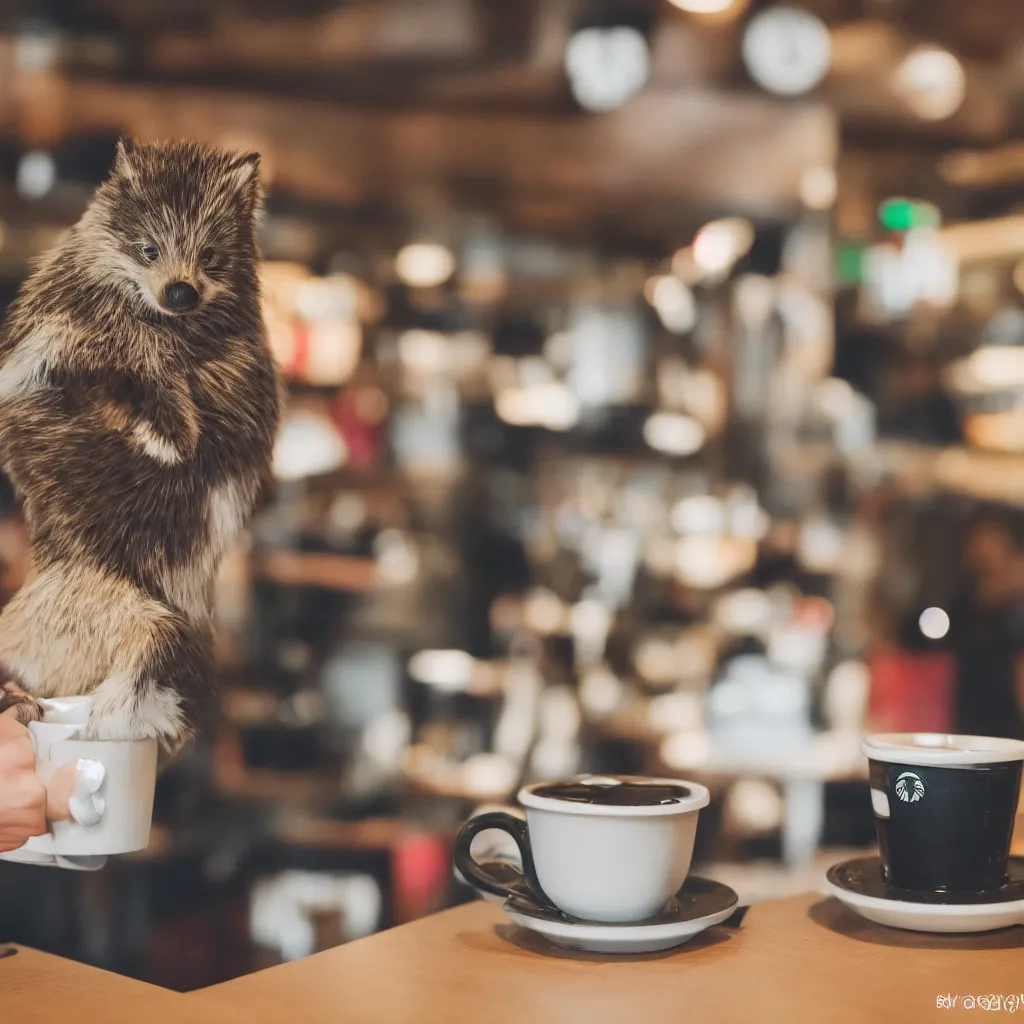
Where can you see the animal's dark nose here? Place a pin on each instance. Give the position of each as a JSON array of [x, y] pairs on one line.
[[180, 296]]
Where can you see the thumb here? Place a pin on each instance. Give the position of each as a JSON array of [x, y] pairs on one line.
[[73, 793]]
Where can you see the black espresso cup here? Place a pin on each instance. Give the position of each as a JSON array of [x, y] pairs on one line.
[[944, 808]]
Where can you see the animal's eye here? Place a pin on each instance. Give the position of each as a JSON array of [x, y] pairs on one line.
[[150, 252], [206, 256]]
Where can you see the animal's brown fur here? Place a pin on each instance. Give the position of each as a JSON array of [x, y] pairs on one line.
[[140, 439]]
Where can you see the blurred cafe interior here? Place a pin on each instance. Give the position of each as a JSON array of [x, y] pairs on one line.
[[655, 378]]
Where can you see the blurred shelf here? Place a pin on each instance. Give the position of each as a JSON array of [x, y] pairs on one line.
[[824, 757], [486, 681], [366, 834], [986, 476], [344, 573], [292, 788], [295, 789], [920, 469], [427, 773], [634, 723]]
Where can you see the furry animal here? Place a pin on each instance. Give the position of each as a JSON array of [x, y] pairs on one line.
[[138, 408]]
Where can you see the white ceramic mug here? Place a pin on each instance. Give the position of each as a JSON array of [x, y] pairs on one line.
[[112, 804], [595, 861]]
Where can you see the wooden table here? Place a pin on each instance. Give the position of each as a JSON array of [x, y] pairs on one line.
[[798, 960], [36, 988], [802, 959]]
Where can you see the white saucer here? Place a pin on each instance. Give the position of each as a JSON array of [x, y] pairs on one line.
[[698, 905], [859, 885], [52, 860]]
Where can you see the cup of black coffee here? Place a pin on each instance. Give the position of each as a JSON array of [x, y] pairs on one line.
[[944, 808], [600, 848]]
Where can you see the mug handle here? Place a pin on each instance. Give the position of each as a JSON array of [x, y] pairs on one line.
[[474, 872]]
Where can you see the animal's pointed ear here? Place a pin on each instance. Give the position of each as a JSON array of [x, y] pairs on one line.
[[244, 171], [244, 175], [125, 159]]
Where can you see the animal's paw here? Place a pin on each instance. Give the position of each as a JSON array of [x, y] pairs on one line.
[[156, 719], [14, 700]]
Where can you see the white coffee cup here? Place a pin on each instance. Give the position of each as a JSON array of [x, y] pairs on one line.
[[112, 803], [598, 861]]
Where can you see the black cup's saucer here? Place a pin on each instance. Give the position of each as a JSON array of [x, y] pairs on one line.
[[859, 884], [698, 905]]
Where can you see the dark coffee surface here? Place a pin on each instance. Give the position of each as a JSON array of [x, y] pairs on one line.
[[625, 792]]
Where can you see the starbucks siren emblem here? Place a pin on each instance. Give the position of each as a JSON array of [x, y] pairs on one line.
[[909, 788]]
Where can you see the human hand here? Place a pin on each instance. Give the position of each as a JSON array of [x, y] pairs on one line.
[[73, 792], [22, 795]]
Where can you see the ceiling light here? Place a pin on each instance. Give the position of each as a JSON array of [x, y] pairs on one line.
[[787, 51], [934, 623], [684, 266], [931, 82], [446, 670], [721, 243], [600, 690], [423, 352], [607, 66], [425, 264], [36, 174], [552, 406], [708, 562], [818, 187], [308, 444], [700, 513], [674, 433], [989, 368], [590, 618], [744, 612], [544, 612], [674, 303], [713, 11], [336, 296], [704, 6]]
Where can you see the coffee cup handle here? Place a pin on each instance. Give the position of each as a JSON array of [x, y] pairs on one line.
[[476, 875]]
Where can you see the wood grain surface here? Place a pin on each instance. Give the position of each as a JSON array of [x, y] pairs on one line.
[[36, 988], [802, 959]]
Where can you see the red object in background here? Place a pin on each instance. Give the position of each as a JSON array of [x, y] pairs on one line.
[[912, 692], [421, 870], [359, 417], [296, 352]]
